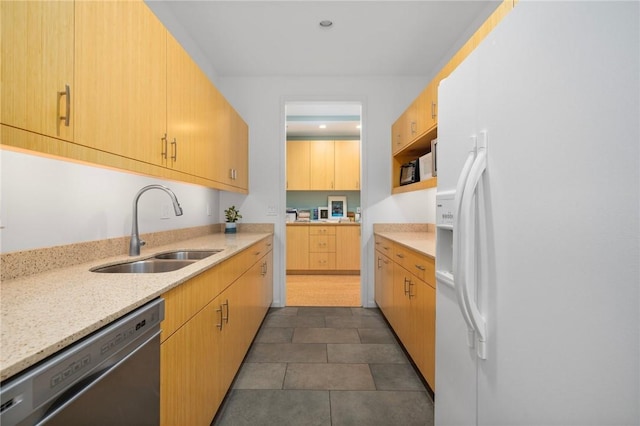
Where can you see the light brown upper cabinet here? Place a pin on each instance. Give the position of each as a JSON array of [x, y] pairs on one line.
[[121, 80], [238, 165], [323, 165], [298, 177], [133, 98], [347, 165], [37, 67], [413, 131]]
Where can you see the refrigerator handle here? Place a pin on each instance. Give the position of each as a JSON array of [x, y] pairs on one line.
[[457, 260], [467, 231]]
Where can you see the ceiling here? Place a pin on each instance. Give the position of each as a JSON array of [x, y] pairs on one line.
[[284, 38]]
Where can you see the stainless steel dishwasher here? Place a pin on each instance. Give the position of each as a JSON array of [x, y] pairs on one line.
[[111, 377]]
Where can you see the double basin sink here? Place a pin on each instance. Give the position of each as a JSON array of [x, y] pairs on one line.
[[162, 262]]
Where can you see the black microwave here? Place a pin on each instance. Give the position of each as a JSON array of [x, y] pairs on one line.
[[410, 172]]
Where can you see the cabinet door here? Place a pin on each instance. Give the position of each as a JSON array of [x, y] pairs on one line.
[[348, 248], [190, 386], [383, 283], [321, 168], [37, 63], [187, 146], [121, 79], [297, 247], [298, 171], [347, 165], [426, 105], [239, 151], [400, 304]]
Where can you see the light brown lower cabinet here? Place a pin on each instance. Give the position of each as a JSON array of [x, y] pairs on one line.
[[209, 324], [405, 292], [323, 248]]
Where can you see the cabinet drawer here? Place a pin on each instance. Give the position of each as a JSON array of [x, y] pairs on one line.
[[322, 230], [403, 256], [384, 246], [322, 261], [322, 244], [422, 267]]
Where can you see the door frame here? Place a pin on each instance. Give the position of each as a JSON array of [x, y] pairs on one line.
[[280, 287]]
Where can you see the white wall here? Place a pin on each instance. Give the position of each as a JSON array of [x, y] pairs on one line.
[[46, 202], [260, 101]]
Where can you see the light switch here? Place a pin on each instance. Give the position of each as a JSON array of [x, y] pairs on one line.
[[272, 210]]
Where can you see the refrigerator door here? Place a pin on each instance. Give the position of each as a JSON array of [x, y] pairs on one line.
[[456, 377], [557, 88]]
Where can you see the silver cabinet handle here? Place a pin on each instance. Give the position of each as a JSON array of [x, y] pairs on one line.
[[406, 292], [411, 285], [220, 325], [226, 319], [400, 255], [420, 267], [164, 146], [413, 127], [67, 110], [433, 109], [174, 144]]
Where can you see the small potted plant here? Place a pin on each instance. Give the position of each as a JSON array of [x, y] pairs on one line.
[[232, 215]]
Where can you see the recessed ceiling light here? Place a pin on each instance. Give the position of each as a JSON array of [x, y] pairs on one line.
[[358, 126], [326, 23], [323, 126]]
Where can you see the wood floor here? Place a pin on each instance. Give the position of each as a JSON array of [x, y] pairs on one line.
[[323, 290]]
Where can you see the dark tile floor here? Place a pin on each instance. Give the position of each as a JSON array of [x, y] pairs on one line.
[[326, 366]]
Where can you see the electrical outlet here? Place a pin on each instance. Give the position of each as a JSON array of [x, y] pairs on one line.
[[272, 210], [165, 211], [208, 209]]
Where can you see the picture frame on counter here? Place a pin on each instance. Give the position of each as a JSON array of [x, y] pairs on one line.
[[323, 213], [337, 206]]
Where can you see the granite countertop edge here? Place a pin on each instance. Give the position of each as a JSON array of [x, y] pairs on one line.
[[43, 313]]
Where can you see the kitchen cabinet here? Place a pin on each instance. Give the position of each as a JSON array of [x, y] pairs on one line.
[[348, 248], [298, 159], [413, 131], [121, 80], [384, 278], [209, 324], [405, 292], [136, 101], [347, 165], [321, 248], [323, 165], [297, 247], [37, 67]]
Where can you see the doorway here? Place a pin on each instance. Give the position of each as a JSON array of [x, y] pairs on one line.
[[323, 200]]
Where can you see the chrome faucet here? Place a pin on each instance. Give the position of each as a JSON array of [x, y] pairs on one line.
[[136, 242]]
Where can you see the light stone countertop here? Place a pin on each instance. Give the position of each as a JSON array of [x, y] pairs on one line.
[[323, 222], [421, 238], [43, 313]]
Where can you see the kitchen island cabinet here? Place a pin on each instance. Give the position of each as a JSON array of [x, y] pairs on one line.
[[322, 247], [405, 293]]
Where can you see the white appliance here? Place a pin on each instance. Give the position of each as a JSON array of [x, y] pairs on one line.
[[538, 276]]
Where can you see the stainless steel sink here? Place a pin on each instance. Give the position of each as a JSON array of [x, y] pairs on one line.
[[187, 254], [148, 266]]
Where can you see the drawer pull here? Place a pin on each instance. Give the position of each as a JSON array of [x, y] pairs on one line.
[[257, 253], [420, 267], [400, 255]]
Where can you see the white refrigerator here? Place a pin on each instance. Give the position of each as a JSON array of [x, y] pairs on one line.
[[538, 206]]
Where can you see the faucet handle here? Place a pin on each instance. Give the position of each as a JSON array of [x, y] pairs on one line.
[[142, 243]]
